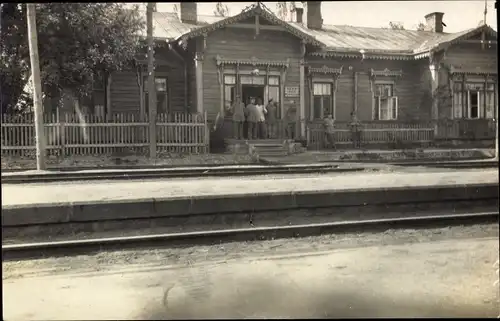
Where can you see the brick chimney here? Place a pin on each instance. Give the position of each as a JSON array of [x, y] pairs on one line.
[[298, 14], [434, 22], [314, 18], [188, 12]]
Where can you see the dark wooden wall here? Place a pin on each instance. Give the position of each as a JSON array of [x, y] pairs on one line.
[[125, 96], [242, 44], [412, 88]]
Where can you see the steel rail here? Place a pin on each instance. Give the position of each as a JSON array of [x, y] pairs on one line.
[[229, 171], [184, 173], [86, 246], [451, 164]]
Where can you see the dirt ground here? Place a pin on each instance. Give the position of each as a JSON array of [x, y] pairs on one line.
[[399, 273], [12, 163]]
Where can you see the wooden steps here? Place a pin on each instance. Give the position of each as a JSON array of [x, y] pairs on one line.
[[261, 147]]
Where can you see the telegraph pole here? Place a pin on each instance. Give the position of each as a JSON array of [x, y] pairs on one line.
[[37, 86], [151, 81]]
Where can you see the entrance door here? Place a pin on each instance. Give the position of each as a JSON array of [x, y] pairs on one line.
[[252, 91]]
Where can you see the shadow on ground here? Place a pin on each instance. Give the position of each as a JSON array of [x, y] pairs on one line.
[[280, 299]]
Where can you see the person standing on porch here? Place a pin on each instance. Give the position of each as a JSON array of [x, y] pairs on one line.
[[238, 110], [329, 125], [355, 130], [261, 119], [253, 118], [271, 118]]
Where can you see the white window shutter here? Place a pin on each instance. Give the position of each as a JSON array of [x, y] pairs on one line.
[[490, 104], [394, 107]]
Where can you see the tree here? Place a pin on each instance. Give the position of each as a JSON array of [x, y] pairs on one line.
[[221, 10], [283, 8], [421, 26], [396, 25], [77, 40]]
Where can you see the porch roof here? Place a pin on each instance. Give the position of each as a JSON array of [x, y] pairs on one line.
[[332, 39]]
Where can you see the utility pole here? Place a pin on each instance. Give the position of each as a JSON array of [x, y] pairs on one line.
[[151, 81], [37, 86]]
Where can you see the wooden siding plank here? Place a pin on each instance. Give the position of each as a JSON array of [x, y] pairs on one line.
[[242, 44]]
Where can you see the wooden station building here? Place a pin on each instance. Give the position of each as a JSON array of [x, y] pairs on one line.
[[312, 69]]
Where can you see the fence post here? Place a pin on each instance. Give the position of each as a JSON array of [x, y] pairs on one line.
[[206, 133], [62, 130]]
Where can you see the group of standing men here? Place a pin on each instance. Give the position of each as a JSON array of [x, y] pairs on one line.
[[255, 120]]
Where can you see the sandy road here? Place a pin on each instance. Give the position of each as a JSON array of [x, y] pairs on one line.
[[412, 274]]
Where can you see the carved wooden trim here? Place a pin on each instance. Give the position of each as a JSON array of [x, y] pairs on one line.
[[472, 71], [385, 73], [325, 70], [252, 62], [380, 56]]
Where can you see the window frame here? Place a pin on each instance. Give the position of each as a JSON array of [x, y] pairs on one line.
[[461, 99], [274, 86], [392, 101], [165, 92], [98, 107], [330, 95], [229, 86]]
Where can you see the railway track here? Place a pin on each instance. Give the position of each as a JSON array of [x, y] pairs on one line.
[[225, 171], [88, 246], [453, 164], [14, 178]]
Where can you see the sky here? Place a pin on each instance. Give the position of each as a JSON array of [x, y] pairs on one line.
[[458, 15]]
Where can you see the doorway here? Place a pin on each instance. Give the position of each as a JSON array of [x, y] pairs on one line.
[[473, 104], [249, 91]]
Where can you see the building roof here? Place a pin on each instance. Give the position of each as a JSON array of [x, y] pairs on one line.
[[330, 39]]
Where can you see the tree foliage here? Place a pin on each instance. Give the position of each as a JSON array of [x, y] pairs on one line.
[[396, 25], [421, 26], [221, 10], [75, 41], [283, 8]]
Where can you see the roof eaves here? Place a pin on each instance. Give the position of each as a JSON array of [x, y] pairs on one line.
[[367, 53], [252, 10], [460, 36]]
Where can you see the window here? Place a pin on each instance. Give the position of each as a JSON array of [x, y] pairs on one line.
[[161, 86], [490, 101], [474, 100], [252, 80], [458, 96], [229, 90], [98, 94], [274, 91], [386, 104], [322, 100]]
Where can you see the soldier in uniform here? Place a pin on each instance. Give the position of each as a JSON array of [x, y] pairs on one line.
[[238, 110], [329, 125], [252, 118], [272, 111], [355, 130]]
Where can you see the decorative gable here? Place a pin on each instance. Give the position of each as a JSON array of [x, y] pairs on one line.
[[259, 11]]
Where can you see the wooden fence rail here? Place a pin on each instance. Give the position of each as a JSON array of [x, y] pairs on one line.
[[372, 133], [73, 134]]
